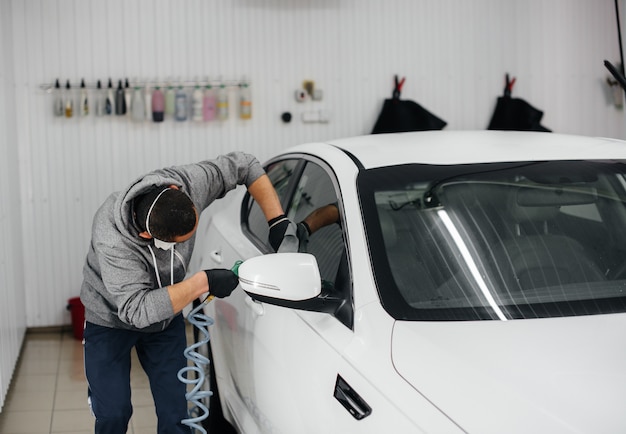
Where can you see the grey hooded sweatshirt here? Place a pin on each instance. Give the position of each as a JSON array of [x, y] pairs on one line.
[[120, 287]]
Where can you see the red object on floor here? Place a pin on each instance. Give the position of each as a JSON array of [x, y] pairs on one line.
[[76, 308]]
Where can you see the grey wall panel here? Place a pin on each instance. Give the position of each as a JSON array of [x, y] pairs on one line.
[[454, 54]]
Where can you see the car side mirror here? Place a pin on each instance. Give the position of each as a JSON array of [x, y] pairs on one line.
[[281, 276], [289, 280]]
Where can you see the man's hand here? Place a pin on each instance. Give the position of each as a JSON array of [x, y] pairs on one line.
[[222, 282], [282, 234]]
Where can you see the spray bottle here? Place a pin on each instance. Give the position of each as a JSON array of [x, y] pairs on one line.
[[137, 105], [158, 105], [84, 99], [58, 100], [208, 103], [197, 102], [222, 103], [120, 100], [170, 101], [127, 95], [99, 100], [181, 104], [245, 101], [69, 101], [109, 102]]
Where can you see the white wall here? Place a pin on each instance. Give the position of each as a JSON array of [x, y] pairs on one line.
[[454, 54], [12, 307]]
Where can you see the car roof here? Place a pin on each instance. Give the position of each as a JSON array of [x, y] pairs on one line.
[[470, 147]]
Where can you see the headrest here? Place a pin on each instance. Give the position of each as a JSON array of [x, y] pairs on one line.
[[528, 205]]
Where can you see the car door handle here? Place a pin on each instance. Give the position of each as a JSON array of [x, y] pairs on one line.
[[351, 400], [255, 306], [216, 256]]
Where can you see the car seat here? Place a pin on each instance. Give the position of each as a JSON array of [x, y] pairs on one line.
[[536, 258]]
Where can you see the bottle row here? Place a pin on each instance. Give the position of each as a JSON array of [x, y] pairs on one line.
[[202, 103]]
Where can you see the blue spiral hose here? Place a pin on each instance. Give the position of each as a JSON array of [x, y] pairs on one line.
[[199, 411], [197, 318]]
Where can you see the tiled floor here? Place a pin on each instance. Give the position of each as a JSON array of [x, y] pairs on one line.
[[48, 392]]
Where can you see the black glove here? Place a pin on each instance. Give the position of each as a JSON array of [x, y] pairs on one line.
[[221, 282], [278, 227]]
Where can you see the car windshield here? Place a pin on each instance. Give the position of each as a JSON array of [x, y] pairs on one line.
[[497, 241]]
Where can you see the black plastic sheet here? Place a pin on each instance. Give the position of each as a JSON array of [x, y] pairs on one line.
[[399, 116]]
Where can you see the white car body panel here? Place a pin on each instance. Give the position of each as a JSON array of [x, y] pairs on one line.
[[556, 375], [276, 367], [466, 147]]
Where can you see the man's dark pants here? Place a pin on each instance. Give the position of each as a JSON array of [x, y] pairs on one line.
[[107, 367]]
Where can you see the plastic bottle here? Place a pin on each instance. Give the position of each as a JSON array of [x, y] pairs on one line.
[[170, 101], [158, 105], [181, 104], [245, 101], [137, 105], [69, 101], [109, 102], [58, 108], [120, 100], [222, 102], [99, 100], [147, 102], [84, 99], [197, 103], [208, 104], [127, 95]]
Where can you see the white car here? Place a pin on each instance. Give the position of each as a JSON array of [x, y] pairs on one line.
[[474, 282]]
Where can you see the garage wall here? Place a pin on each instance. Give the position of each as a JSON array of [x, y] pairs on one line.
[[12, 309], [454, 55]]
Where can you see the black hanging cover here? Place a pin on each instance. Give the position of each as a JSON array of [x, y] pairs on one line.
[[515, 113], [399, 115]]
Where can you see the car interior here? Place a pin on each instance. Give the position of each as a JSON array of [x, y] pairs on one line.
[[528, 241]]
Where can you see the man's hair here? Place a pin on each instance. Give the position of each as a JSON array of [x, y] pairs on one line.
[[172, 215]]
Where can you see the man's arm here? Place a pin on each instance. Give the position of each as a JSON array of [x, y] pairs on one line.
[[219, 282], [263, 192], [321, 217], [183, 293]]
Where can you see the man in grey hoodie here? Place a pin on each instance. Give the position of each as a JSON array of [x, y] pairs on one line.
[[134, 286]]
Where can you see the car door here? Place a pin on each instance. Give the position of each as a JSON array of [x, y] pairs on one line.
[[294, 357], [222, 244]]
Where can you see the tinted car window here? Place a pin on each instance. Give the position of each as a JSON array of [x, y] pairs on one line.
[[498, 241], [301, 194], [280, 175], [315, 190]]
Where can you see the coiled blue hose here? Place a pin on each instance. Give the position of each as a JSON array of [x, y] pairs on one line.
[[197, 318], [199, 411]]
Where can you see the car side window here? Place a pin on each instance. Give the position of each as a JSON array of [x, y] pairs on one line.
[[305, 189], [280, 174], [315, 191]]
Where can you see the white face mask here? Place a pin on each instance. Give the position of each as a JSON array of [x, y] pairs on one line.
[[163, 245]]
